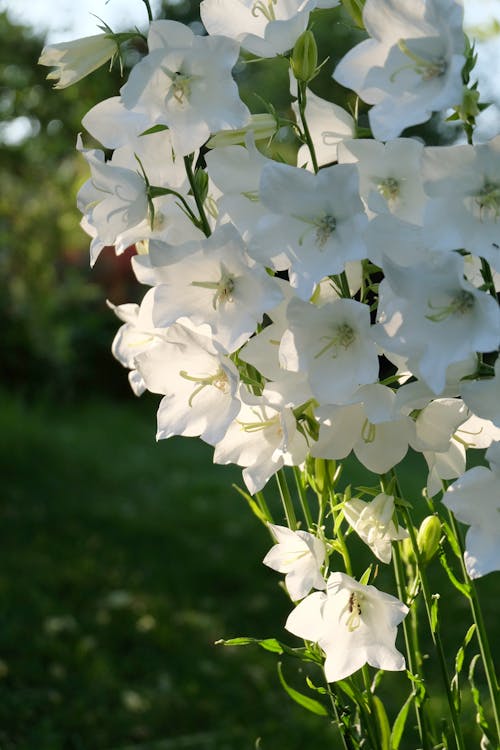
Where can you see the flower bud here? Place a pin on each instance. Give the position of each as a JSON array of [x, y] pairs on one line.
[[76, 59], [304, 59], [428, 538], [263, 126]]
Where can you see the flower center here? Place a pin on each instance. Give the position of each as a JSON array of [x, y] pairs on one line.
[[462, 303], [488, 200], [219, 380], [265, 9], [324, 228], [389, 189], [368, 432], [353, 607], [344, 336], [180, 85], [427, 68], [223, 288]]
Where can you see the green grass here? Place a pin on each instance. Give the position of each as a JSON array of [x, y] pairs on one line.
[[123, 561]]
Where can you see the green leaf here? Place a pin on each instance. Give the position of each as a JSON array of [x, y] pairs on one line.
[[383, 723], [476, 696], [254, 507], [464, 588], [154, 129], [434, 612], [366, 575], [268, 644], [303, 700], [400, 723]]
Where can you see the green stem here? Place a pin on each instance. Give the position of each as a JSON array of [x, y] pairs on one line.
[[412, 655], [303, 497], [488, 277], [148, 8], [301, 100], [482, 636], [286, 499], [434, 630], [343, 730], [199, 203], [261, 502]]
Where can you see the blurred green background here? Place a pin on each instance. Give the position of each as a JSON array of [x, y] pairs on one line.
[[123, 561]]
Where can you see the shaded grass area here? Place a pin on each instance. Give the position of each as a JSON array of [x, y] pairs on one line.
[[123, 561]]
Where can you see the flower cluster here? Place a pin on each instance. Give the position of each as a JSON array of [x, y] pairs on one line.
[[297, 313]]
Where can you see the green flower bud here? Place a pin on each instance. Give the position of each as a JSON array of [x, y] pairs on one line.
[[304, 59], [428, 538]]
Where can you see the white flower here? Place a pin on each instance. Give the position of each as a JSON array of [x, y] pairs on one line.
[[370, 425], [199, 382], [76, 59], [432, 315], [389, 175], [333, 345], [463, 210], [315, 223], [264, 27], [353, 624], [328, 125], [483, 396], [411, 66], [263, 439], [185, 83], [475, 500], [300, 555], [373, 522], [213, 282]]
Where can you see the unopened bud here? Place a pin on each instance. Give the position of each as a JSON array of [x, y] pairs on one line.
[[428, 538], [469, 106], [304, 59], [263, 126]]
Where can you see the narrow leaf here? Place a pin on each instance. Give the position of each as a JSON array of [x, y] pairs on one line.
[[400, 723], [383, 723], [303, 700]]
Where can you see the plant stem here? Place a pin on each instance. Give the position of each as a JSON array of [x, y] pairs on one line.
[[205, 226], [412, 656], [303, 497], [261, 501], [482, 636], [434, 630], [286, 499], [301, 100], [148, 8]]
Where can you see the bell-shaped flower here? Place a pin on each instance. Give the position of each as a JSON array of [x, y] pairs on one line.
[[198, 380], [300, 555], [264, 27], [333, 345], [213, 282], [432, 315], [314, 225], [354, 624], [76, 59], [263, 439], [483, 396], [474, 499], [235, 172], [185, 83], [371, 425], [463, 210], [412, 64], [374, 523], [389, 175], [328, 125], [136, 335]]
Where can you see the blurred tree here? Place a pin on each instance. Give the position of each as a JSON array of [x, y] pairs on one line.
[[55, 327]]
